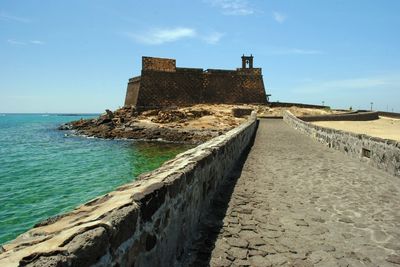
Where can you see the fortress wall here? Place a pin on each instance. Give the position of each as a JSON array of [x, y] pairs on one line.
[[221, 87], [148, 222], [233, 88], [183, 87], [253, 89], [158, 64], [187, 86], [253, 71], [350, 116], [380, 153], [132, 92], [162, 84]]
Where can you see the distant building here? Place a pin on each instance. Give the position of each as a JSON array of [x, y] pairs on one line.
[[162, 84]]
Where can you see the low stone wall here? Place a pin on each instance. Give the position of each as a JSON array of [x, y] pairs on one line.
[[380, 153], [389, 114], [350, 116], [300, 105], [149, 222]]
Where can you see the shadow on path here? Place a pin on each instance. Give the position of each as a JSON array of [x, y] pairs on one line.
[[199, 253]]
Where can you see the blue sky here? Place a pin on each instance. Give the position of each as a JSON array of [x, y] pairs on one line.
[[77, 55]]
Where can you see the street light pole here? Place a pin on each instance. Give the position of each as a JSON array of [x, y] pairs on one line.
[[371, 105]]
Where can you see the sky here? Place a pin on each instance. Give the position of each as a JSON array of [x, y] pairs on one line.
[[77, 55]]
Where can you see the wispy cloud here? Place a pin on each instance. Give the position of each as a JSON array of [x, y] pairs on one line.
[[7, 17], [232, 7], [160, 36], [279, 17], [36, 42], [18, 42], [213, 38], [295, 51], [15, 42]]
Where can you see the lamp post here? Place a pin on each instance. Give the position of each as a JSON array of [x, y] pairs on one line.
[[323, 103], [371, 105]]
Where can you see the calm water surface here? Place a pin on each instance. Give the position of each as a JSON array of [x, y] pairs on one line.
[[43, 172]]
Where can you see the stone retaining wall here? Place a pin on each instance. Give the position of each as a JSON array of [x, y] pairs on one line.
[[380, 153], [350, 116], [149, 222], [389, 114], [300, 105]]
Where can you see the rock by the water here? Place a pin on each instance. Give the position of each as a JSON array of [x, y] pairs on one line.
[[188, 125]]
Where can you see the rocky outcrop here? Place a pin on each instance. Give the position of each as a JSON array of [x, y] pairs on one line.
[[157, 124]]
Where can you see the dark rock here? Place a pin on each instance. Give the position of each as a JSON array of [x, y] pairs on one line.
[[109, 114], [151, 241], [87, 248], [241, 112], [124, 222], [57, 260], [150, 200], [393, 259], [346, 220], [103, 120], [65, 127]]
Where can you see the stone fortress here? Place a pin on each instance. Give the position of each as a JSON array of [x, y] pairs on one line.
[[162, 84]]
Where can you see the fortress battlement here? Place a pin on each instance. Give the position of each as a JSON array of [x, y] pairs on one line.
[[162, 84]]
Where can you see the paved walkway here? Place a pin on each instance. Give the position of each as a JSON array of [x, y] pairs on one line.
[[299, 203]]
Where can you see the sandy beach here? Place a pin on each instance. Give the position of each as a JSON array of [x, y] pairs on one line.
[[384, 127]]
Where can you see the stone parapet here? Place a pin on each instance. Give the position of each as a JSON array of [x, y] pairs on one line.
[[149, 222], [349, 116], [389, 114], [381, 153]]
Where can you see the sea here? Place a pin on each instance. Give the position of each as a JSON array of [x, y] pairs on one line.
[[45, 172]]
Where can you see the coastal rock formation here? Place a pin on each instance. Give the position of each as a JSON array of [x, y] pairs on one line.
[[191, 124], [194, 124]]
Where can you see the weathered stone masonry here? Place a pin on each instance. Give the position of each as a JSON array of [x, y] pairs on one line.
[[149, 222], [162, 84], [380, 153]]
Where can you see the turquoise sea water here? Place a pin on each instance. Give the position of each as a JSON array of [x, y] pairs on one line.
[[43, 172]]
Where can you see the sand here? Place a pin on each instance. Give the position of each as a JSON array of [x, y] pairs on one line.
[[384, 127]]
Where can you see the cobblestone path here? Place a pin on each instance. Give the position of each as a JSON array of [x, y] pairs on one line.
[[299, 203]]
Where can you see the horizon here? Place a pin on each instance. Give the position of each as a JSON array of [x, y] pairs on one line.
[[77, 57]]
